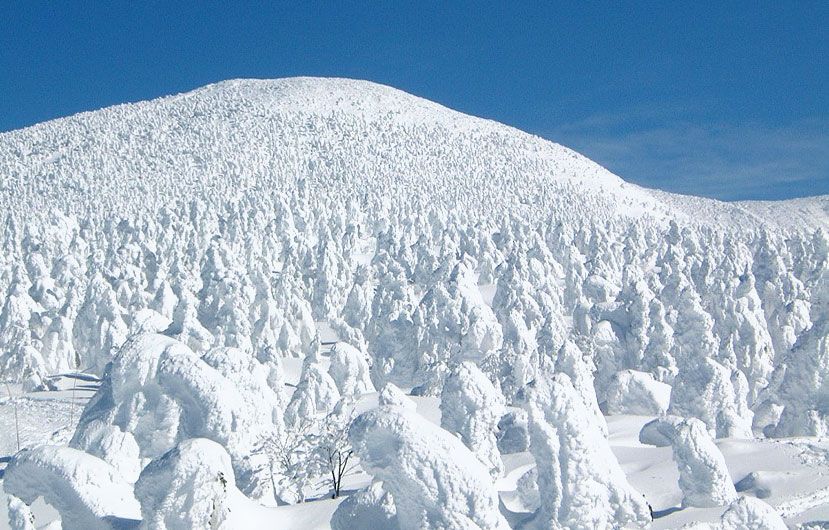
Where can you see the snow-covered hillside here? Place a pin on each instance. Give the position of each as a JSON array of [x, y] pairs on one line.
[[333, 304], [345, 137]]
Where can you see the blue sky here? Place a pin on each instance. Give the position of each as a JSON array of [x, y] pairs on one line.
[[723, 99]]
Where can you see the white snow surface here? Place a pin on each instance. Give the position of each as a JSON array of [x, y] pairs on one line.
[[436, 482], [86, 491], [260, 133], [331, 292], [632, 392]]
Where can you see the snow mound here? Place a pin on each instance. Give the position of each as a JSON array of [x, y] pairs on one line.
[[748, 512], [391, 395], [435, 481], [632, 392], [372, 507], [661, 431], [190, 486], [160, 393], [85, 490]]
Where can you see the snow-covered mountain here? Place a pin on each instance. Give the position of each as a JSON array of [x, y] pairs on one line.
[[342, 136], [284, 291]]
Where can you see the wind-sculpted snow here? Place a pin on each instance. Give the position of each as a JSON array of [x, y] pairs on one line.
[[580, 482], [470, 406], [157, 392], [435, 481], [85, 490], [703, 476], [194, 251], [188, 487]]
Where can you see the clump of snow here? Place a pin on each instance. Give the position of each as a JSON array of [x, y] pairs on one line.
[[703, 475], [758, 483], [512, 434], [435, 481], [372, 507], [748, 512], [391, 395], [85, 490], [660, 431], [527, 490], [632, 392], [190, 486], [20, 515], [112, 445], [471, 407]]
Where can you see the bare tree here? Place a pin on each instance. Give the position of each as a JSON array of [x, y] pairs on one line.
[[292, 459], [312, 453], [333, 447]]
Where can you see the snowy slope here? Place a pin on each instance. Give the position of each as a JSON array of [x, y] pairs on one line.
[[809, 211], [249, 136], [260, 277]]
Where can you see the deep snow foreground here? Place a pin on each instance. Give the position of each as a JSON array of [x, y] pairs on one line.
[[790, 475], [288, 293]]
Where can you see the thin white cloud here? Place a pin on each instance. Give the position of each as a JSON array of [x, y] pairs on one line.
[[729, 162]]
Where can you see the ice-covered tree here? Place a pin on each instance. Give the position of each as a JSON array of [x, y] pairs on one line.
[[350, 371], [571, 361], [580, 482], [161, 392], [706, 390], [316, 394], [703, 475], [436, 482], [99, 329], [471, 407], [190, 486]]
